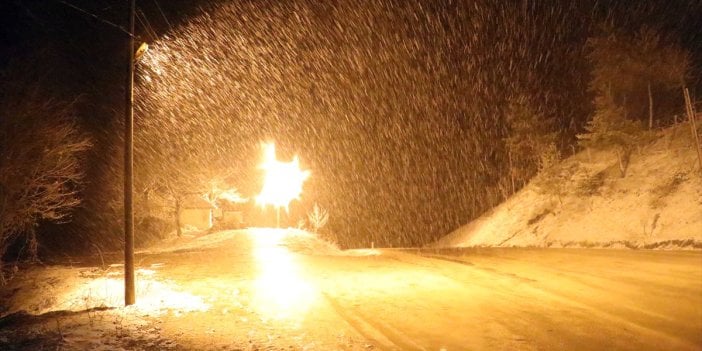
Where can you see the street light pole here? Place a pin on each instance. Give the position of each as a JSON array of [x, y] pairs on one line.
[[129, 293]]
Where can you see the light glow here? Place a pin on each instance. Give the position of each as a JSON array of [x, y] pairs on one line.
[[233, 196], [283, 180], [228, 194], [154, 296], [281, 290]]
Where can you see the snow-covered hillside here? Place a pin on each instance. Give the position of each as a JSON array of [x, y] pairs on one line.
[[657, 205]]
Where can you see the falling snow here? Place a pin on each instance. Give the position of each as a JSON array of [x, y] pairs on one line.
[[395, 106]]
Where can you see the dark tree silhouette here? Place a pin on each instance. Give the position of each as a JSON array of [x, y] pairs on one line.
[[40, 164], [634, 68], [529, 136], [609, 128]]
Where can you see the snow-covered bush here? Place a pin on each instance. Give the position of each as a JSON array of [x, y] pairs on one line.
[[41, 167], [317, 218], [556, 180]]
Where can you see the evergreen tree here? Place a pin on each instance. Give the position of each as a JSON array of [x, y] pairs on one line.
[[529, 137], [608, 128]]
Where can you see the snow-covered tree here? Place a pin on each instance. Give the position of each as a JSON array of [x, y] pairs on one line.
[[529, 136], [555, 180], [40, 164], [608, 128], [317, 218]]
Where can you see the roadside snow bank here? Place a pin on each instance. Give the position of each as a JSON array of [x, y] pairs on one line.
[[308, 243], [658, 205]]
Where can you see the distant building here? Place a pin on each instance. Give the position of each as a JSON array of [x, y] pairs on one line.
[[230, 215], [196, 212]]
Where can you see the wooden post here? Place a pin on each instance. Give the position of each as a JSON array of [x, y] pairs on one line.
[[129, 291], [693, 126], [179, 230]]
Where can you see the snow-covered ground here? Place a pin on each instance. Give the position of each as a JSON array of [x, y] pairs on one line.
[[657, 205], [227, 290], [284, 289]]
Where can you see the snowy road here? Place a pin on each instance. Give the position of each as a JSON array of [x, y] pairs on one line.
[[487, 299], [528, 299], [259, 289]]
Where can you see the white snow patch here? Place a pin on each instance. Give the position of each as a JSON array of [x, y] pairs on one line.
[[657, 205]]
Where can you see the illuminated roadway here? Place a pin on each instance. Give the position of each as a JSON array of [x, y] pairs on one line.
[[477, 299]]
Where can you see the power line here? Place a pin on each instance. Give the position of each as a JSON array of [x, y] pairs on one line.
[[163, 14], [95, 17], [145, 23]]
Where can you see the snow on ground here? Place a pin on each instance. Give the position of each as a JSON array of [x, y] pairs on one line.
[[250, 290], [657, 205], [225, 284], [80, 308]]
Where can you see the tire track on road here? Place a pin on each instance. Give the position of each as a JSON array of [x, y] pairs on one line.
[[673, 340], [383, 336]]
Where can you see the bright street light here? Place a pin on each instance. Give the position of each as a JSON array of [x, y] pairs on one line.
[[282, 182]]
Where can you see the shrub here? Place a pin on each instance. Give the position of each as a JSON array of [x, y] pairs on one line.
[[151, 229], [317, 218], [589, 184], [555, 180], [608, 128]]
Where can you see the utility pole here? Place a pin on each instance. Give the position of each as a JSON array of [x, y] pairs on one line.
[[129, 293]]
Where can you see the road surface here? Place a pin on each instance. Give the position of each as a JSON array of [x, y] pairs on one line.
[[476, 299], [256, 287]]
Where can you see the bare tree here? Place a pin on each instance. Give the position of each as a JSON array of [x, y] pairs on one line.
[[40, 164], [659, 63], [318, 218], [633, 68]]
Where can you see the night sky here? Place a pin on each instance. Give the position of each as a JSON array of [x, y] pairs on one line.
[[395, 106]]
